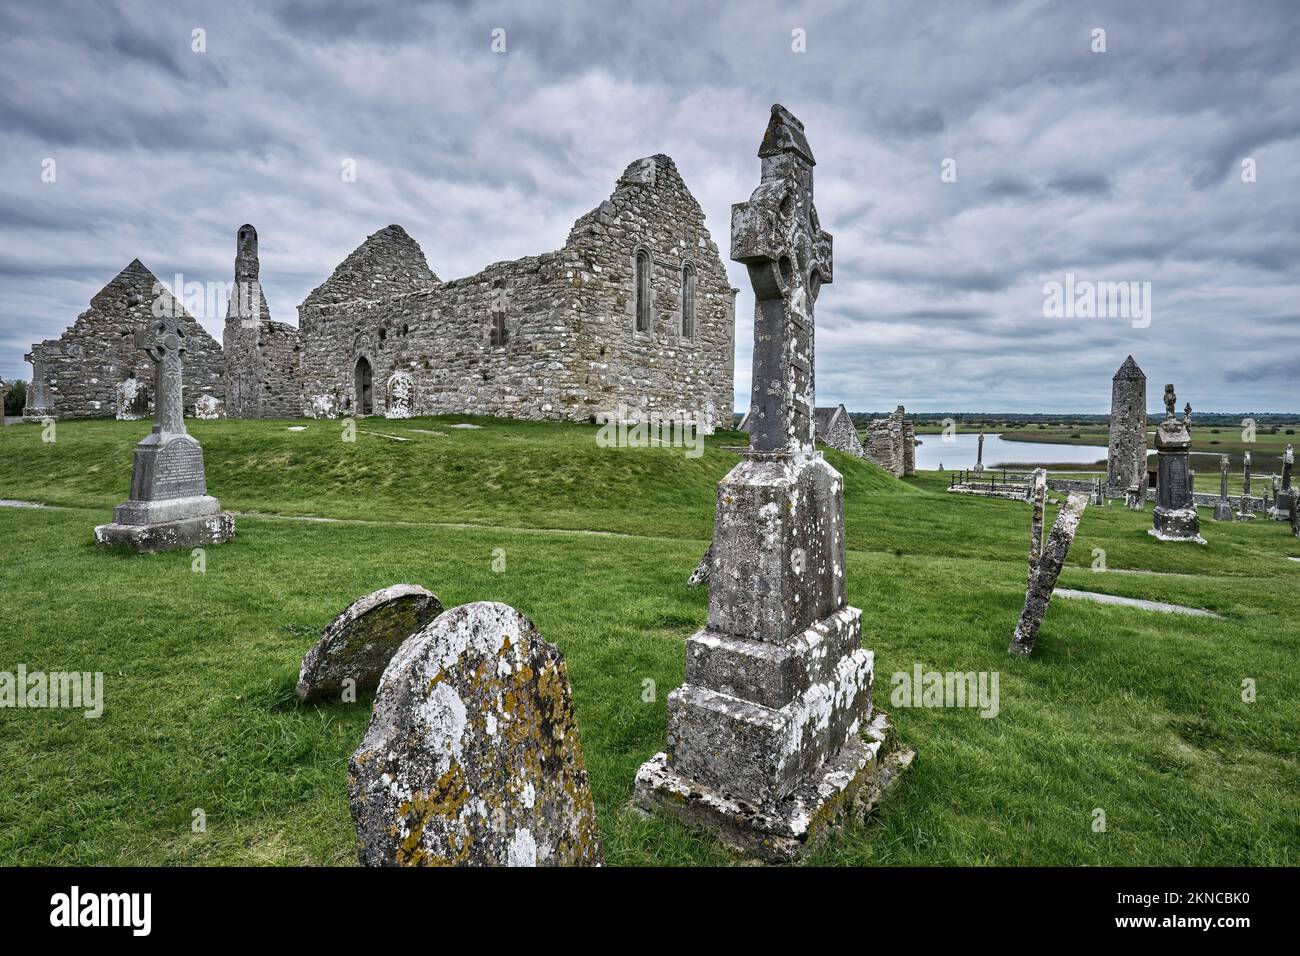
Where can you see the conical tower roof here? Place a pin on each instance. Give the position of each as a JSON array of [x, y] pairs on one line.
[[1130, 370]]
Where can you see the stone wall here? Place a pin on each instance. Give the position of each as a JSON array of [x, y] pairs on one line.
[[891, 443], [95, 370], [546, 337]]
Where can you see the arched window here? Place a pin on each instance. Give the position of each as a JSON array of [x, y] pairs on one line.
[[643, 291], [365, 388], [688, 301]]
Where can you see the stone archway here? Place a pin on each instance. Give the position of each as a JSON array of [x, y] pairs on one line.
[[365, 387]]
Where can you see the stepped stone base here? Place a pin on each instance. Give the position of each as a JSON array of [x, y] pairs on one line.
[[194, 532], [1223, 511], [1176, 524], [850, 783]]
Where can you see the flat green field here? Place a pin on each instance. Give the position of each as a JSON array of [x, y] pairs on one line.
[[1136, 714]]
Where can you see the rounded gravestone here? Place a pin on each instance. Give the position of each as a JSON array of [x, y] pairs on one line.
[[358, 644], [472, 757]]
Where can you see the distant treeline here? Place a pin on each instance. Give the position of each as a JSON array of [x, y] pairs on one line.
[[1023, 419]]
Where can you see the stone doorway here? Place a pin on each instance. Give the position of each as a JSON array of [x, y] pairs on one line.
[[365, 387]]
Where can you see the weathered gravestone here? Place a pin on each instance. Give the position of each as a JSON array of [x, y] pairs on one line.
[[472, 757], [1223, 507], [40, 403], [701, 573], [1175, 517], [1043, 579], [209, 407], [766, 742], [400, 399], [1295, 515], [132, 399], [169, 505], [1281, 510], [358, 644], [1135, 498], [1247, 510]]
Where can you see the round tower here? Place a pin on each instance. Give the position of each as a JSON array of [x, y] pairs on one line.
[[1126, 458]]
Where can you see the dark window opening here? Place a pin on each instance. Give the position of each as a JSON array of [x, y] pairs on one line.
[[688, 301], [365, 387], [643, 291]]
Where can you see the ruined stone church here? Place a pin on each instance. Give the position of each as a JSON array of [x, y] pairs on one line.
[[634, 314]]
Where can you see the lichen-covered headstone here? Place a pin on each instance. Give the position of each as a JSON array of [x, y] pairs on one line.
[[1043, 581], [358, 644], [1175, 517], [401, 395], [472, 757], [209, 407], [1038, 498]]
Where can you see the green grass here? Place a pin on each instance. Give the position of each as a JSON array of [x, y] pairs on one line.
[[1136, 713]]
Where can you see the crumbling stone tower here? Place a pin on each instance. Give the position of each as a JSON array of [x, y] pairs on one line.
[[263, 361], [1126, 459]]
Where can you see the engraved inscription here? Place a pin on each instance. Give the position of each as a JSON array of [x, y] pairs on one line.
[[179, 470]]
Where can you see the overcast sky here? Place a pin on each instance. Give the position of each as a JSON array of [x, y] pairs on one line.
[[1116, 166]]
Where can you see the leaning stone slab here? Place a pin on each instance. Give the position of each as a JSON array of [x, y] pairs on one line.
[[1041, 585], [358, 644], [472, 757]]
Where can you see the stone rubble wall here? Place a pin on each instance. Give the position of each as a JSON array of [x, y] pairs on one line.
[[891, 444]]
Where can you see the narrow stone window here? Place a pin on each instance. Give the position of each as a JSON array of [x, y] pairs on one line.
[[688, 301], [643, 291], [499, 333]]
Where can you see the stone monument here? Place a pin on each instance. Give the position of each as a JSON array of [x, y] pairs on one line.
[[1223, 507], [766, 744], [1281, 510], [1038, 498], [4, 397], [1247, 510], [979, 457], [1175, 517], [169, 505]]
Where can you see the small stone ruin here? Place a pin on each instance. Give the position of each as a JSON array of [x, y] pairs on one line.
[[891, 443]]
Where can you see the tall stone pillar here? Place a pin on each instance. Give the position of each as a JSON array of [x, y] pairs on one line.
[[1223, 507], [1247, 510], [1175, 517], [1281, 510], [1126, 455], [979, 456], [773, 735]]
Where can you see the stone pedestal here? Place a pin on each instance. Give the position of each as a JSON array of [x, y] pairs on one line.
[[765, 738], [1175, 517], [1281, 509], [169, 505]]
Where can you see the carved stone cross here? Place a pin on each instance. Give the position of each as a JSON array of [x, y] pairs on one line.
[[778, 237], [1170, 401], [164, 341]]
